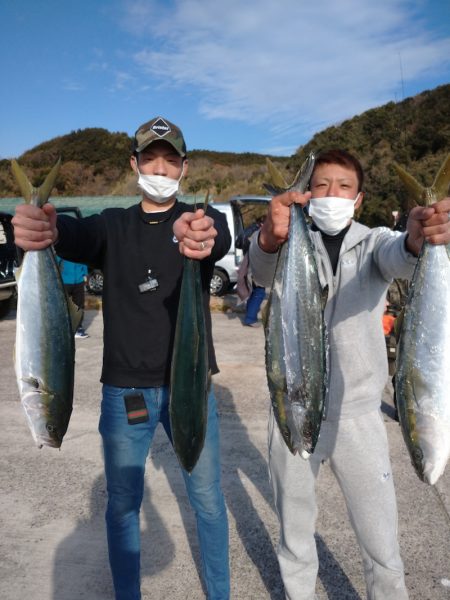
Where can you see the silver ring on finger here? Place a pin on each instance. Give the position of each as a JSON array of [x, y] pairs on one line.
[[202, 245]]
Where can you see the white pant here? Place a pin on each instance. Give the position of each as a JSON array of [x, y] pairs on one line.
[[358, 454]]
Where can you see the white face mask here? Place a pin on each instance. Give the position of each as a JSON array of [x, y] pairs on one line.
[[158, 187], [332, 214]]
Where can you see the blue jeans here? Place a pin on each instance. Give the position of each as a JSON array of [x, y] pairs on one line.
[[125, 450], [254, 304]]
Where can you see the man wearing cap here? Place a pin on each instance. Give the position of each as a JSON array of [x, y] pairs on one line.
[[140, 251]]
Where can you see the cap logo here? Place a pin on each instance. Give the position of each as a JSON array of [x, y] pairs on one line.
[[160, 128]]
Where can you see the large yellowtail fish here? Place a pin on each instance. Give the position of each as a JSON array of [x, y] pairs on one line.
[[45, 345], [423, 356], [189, 377], [296, 340]]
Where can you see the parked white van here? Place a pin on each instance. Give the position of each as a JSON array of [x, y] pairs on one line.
[[241, 211]]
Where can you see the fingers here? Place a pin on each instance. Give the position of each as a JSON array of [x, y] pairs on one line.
[[443, 206], [276, 226], [435, 214], [432, 222], [197, 250], [200, 241], [200, 222], [289, 198], [438, 232], [34, 228], [195, 233]]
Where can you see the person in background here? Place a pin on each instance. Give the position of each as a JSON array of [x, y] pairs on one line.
[[247, 289], [74, 278], [357, 264], [141, 251]]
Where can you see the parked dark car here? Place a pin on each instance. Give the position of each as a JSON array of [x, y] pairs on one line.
[[8, 263]]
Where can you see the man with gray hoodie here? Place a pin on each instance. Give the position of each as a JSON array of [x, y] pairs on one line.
[[357, 264]]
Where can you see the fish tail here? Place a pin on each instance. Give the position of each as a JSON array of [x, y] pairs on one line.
[[441, 183], [301, 179], [278, 184], [414, 188], [45, 190], [277, 180], [206, 201], [28, 191]]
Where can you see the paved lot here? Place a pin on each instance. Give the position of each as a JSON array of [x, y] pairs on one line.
[[52, 540]]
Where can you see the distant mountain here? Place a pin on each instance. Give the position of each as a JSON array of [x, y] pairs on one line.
[[414, 132]]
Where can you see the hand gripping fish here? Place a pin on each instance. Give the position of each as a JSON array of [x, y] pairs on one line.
[[423, 367], [296, 339], [45, 325], [190, 376]]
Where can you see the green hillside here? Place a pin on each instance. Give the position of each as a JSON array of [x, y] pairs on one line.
[[414, 132]]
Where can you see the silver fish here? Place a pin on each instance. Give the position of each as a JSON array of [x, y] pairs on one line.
[[423, 373], [45, 345], [296, 339]]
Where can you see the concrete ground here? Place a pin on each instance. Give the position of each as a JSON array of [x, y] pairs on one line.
[[52, 538]]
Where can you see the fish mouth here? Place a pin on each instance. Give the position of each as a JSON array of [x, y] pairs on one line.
[[41, 422], [47, 441], [47, 435]]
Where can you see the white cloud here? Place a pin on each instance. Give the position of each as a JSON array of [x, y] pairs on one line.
[[70, 85], [291, 64]]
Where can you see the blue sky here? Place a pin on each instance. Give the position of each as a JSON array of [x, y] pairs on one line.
[[255, 76]]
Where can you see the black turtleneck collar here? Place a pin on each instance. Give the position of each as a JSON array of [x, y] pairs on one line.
[[332, 244]]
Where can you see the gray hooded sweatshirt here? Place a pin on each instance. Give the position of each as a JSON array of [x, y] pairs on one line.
[[368, 261]]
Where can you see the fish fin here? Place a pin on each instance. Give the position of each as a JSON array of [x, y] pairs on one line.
[[272, 189], [26, 189], [76, 314], [414, 188], [45, 189], [206, 201], [324, 297], [287, 437], [33, 381], [18, 272], [276, 177], [442, 180], [278, 184], [265, 314], [301, 179], [398, 324]]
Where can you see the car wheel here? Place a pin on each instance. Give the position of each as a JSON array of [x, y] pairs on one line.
[[94, 282], [219, 283]]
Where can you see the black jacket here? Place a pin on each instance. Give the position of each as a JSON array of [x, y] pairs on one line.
[[139, 327]]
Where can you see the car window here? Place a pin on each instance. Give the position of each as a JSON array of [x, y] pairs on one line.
[[251, 213]]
